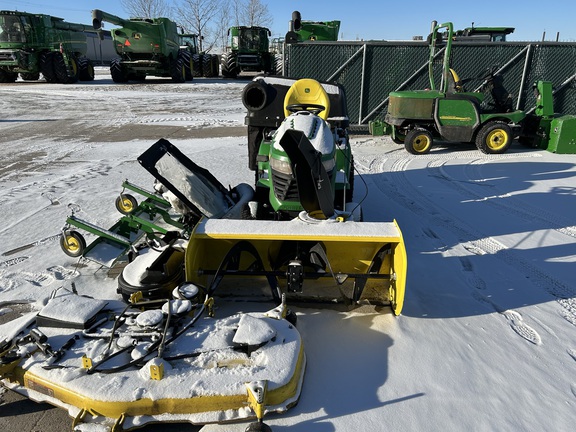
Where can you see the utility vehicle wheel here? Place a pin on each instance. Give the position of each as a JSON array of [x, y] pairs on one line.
[[126, 203], [398, 137], [65, 73], [118, 73], [73, 243], [86, 69], [494, 138], [196, 65], [35, 76], [418, 141], [47, 66]]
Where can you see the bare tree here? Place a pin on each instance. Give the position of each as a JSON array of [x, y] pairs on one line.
[[146, 8], [251, 13], [197, 16]]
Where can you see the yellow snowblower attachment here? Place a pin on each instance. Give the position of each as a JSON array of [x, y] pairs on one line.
[[370, 254]]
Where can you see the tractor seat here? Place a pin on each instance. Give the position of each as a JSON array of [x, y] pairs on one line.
[[307, 91]]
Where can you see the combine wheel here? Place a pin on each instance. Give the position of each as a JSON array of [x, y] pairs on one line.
[[86, 69], [229, 67], [118, 73], [187, 64], [494, 138], [47, 66], [196, 65], [126, 204], [34, 76], [178, 69], [418, 141], [73, 243], [278, 65], [65, 73]]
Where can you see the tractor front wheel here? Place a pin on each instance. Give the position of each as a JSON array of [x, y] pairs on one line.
[[418, 141], [494, 138]]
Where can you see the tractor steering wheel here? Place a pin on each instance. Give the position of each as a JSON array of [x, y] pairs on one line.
[[312, 108]]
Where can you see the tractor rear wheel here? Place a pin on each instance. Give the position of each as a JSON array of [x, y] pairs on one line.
[[229, 66], [196, 65], [418, 141], [215, 65], [494, 138], [178, 69], [86, 69]]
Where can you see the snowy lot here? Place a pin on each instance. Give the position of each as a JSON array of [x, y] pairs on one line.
[[487, 337]]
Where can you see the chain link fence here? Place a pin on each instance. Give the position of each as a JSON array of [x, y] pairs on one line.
[[369, 71]]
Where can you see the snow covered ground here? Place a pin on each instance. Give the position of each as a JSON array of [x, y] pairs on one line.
[[487, 337]]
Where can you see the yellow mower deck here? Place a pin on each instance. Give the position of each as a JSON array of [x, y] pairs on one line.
[[373, 252]]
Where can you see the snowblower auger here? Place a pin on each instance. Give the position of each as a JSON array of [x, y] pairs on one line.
[[372, 254]]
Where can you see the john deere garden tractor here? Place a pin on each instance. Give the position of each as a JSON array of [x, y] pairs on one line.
[[447, 112], [34, 44], [148, 47], [249, 51]]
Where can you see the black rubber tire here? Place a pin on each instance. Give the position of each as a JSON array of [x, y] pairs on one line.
[[65, 73], [196, 65], [187, 57], [126, 204], [494, 138], [33, 76], [399, 138], [418, 141], [258, 427], [85, 69], [47, 66], [215, 65], [178, 69], [207, 68], [117, 72], [229, 67], [7, 77], [73, 244]]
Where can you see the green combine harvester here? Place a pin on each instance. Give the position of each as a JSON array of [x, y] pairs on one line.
[[34, 44], [150, 47], [248, 51]]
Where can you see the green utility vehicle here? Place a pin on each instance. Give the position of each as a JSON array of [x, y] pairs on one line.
[[248, 51], [34, 44], [148, 47], [446, 112]]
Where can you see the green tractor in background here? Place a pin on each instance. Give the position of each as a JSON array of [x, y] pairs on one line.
[[34, 44], [248, 51], [447, 112], [149, 47]]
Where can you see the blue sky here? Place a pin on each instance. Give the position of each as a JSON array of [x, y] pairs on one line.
[[371, 19]]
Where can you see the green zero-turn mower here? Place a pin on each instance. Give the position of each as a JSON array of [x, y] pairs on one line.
[[446, 112]]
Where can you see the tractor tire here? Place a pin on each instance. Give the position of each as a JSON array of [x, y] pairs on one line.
[[278, 65], [33, 76], [229, 66], [494, 138], [418, 141], [207, 68], [196, 65], [178, 69], [7, 77], [47, 66], [118, 72], [73, 243], [86, 69], [187, 57], [215, 65], [65, 73]]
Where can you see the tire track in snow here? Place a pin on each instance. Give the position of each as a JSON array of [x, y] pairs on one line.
[[416, 201]]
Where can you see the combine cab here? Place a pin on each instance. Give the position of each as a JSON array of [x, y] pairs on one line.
[[34, 44]]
